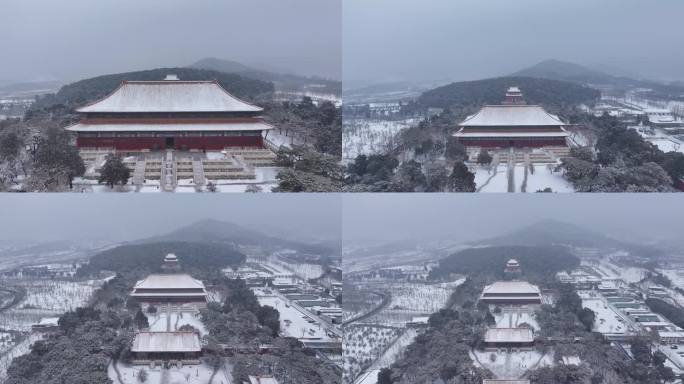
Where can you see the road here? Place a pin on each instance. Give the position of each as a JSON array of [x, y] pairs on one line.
[[386, 298]]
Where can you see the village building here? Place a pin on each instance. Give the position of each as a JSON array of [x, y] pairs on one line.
[[46, 325], [504, 381], [170, 114], [671, 337], [511, 293], [166, 347], [513, 124], [520, 338]]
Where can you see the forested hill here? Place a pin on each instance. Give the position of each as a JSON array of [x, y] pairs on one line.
[[88, 90], [216, 231], [550, 93], [561, 70], [538, 263], [282, 81], [553, 232], [142, 259]]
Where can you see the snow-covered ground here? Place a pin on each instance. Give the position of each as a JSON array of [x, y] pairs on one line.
[[628, 274], [364, 344], [46, 298], [496, 180], [190, 374], [394, 351], [607, 319], [304, 271], [516, 318], [511, 365], [163, 320], [382, 338], [544, 177], [295, 322], [367, 137]]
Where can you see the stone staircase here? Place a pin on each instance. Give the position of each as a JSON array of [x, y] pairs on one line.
[[139, 171], [198, 172], [168, 180]]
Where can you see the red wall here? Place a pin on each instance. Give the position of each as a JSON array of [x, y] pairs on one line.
[[138, 143], [518, 143]]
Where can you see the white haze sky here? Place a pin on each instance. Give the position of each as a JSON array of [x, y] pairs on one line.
[[437, 40], [123, 217], [356, 218], [379, 218], [75, 39]]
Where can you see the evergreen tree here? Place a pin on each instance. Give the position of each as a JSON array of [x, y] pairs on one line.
[[114, 171], [461, 179]]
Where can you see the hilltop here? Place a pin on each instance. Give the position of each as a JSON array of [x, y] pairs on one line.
[[220, 232], [576, 73], [546, 92], [282, 81]]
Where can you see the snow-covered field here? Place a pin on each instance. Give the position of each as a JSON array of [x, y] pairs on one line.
[[294, 322], [667, 144], [628, 274], [409, 299], [46, 298], [367, 137], [304, 271], [363, 344], [607, 320]]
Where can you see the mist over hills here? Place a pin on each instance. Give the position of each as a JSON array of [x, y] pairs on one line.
[[83, 91], [536, 90], [553, 232], [216, 231], [572, 72], [282, 81]]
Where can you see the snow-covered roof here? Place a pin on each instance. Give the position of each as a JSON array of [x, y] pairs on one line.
[[508, 287], [672, 334], [509, 335], [49, 321], [169, 281], [170, 257], [507, 133], [497, 381], [179, 127], [511, 115], [170, 96], [166, 342], [262, 380]]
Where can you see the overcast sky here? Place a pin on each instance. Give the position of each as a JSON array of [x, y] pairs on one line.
[[75, 39], [379, 218], [119, 217], [392, 40]]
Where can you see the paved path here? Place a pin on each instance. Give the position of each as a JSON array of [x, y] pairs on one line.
[[511, 170]]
